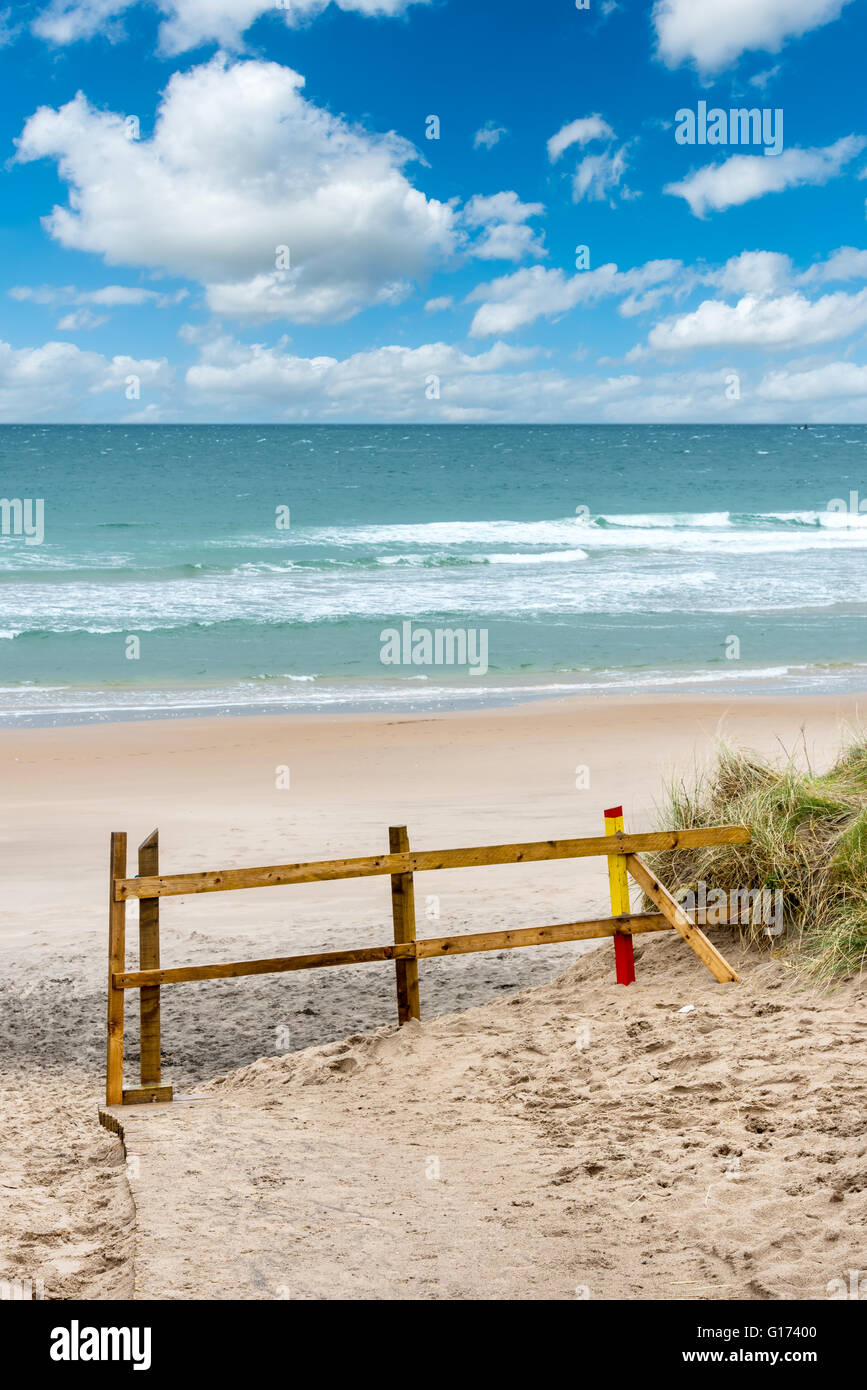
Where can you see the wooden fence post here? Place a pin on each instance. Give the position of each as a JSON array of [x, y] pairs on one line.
[[116, 964], [403, 912], [149, 959], [618, 882]]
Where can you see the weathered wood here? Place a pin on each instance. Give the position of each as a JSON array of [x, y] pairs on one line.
[[541, 936], [116, 961], [618, 885], [692, 935], [110, 1121], [401, 864], [184, 974], [408, 951], [403, 914], [149, 959], [146, 1095], [424, 861]]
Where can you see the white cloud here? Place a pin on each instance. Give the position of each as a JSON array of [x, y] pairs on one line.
[[216, 209], [489, 136], [714, 33], [635, 304], [503, 217], [43, 294], [8, 29], [60, 381], [484, 210], [789, 320], [598, 175], [390, 383], [278, 295], [508, 241], [116, 296], [68, 21], [770, 312], [513, 301], [81, 319], [847, 263], [744, 177], [580, 132], [765, 273], [754, 272], [385, 382], [834, 381], [191, 23], [437, 306], [235, 381], [765, 78], [110, 296]]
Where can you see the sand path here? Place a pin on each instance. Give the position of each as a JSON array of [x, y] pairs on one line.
[[493, 1155]]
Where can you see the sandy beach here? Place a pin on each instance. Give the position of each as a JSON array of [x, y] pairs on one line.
[[210, 787], [415, 468], [676, 1141]]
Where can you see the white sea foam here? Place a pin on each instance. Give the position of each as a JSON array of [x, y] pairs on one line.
[[548, 557], [76, 703], [782, 531]]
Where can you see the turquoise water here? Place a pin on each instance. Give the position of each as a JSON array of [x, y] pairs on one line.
[[592, 558]]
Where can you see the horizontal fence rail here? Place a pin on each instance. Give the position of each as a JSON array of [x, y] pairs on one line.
[[622, 851], [425, 861], [413, 950]]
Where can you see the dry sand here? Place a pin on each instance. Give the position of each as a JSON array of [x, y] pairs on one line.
[[577, 1140], [67, 1214]]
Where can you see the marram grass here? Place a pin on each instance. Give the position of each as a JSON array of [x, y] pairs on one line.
[[809, 839]]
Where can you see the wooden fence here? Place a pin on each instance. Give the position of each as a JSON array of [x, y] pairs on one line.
[[406, 950]]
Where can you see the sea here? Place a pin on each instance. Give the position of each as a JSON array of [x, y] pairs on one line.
[[172, 570]]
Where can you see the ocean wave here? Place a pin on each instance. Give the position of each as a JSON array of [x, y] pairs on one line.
[[449, 545], [550, 557], [80, 704], [658, 530], [652, 521], [713, 521], [435, 561]]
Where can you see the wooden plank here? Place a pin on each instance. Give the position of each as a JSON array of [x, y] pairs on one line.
[[146, 1095], [634, 925], [618, 885], [692, 935], [403, 915], [184, 974], [432, 946], [149, 959], [541, 936], [116, 961], [425, 861]]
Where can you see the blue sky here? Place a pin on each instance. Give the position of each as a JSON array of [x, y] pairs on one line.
[[159, 153]]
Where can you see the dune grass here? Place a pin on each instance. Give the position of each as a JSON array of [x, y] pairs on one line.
[[809, 839]]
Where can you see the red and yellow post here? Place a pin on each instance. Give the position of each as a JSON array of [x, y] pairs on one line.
[[624, 960]]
